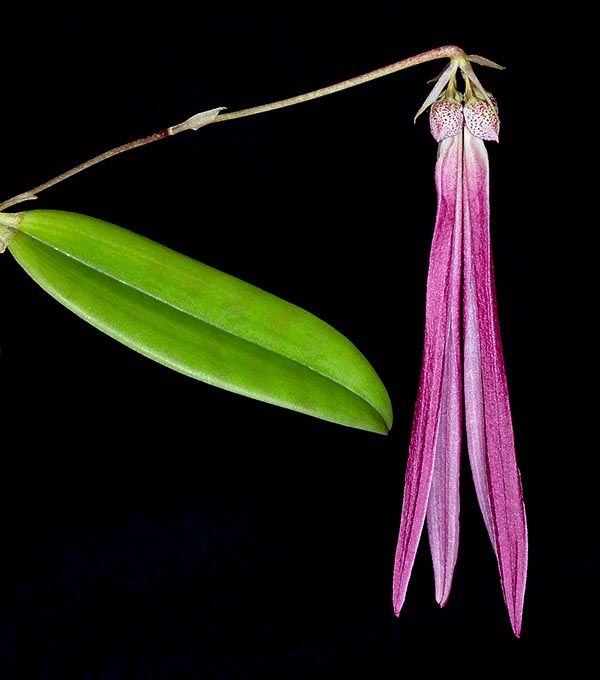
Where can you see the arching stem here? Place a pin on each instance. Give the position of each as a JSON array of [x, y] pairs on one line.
[[214, 115]]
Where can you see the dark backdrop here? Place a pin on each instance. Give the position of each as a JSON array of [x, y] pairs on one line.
[[155, 527]]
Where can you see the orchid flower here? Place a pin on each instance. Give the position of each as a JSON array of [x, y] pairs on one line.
[[461, 308], [184, 320]]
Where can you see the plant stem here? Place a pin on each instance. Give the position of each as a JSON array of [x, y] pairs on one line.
[[204, 118], [32, 193], [449, 51]]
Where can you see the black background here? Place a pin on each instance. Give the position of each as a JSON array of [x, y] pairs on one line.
[[155, 527]]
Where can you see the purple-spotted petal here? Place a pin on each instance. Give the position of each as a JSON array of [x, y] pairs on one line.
[[445, 119], [481, 119], [436, 430], [487, 409]]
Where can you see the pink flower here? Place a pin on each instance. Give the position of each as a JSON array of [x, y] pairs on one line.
[[461, 314]]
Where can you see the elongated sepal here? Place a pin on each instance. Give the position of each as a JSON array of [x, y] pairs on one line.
[[432, 471], [197, 320], [487, 406]]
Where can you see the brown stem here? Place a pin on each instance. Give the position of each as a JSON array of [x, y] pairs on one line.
[[206, 117]]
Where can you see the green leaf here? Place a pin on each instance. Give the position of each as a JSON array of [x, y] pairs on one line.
[[196, 319]]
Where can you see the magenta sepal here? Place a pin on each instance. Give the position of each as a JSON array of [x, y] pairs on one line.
[[432, 473], [487, 409]]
